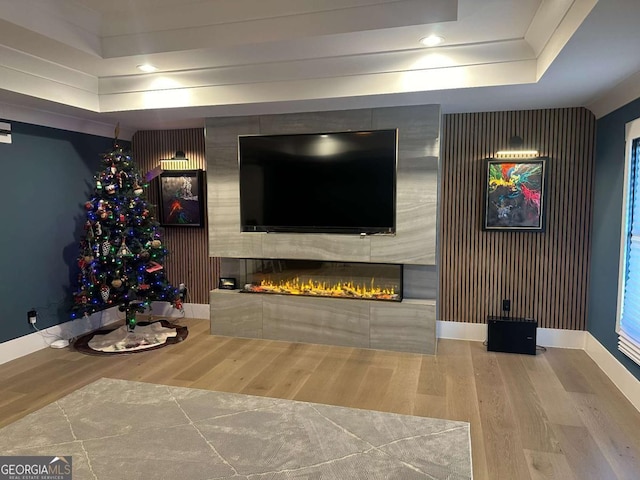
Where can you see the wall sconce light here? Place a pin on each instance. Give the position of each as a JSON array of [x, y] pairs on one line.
[[178, 157], [516, 150], [177, 160]]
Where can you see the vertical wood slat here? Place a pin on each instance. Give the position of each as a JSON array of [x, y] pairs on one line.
[[544, 274], [188, 261]]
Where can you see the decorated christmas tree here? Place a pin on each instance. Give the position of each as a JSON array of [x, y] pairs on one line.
[[121, 252]]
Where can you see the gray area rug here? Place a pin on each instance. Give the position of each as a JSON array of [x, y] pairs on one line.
[[117, 429]]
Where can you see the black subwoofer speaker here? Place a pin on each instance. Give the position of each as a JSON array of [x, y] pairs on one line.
[[512, 335]]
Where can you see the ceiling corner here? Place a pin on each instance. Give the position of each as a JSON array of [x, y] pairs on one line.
[[553, 25]]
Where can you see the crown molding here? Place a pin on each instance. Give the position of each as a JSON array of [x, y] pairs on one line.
[[44, 118]]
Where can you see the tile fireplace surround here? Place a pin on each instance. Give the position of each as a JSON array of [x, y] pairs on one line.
[[407, 325]]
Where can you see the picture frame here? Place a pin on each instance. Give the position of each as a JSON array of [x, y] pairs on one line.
[[181, 198], [515, 194]]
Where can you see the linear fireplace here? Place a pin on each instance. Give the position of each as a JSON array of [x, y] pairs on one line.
[[363, 281]]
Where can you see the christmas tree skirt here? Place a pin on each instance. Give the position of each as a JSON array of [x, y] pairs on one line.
[[145, 336]]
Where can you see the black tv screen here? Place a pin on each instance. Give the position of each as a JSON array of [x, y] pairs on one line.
[[341, 182]]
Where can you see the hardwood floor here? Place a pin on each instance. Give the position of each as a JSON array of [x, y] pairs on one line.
[[549, 416]]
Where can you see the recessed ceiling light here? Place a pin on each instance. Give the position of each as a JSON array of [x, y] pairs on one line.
[[432, 40], [147, 68]]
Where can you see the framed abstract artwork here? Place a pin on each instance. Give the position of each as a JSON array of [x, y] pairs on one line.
[[514, 194], [182, 198]]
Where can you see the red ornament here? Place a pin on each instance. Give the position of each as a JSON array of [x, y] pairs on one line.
[[88, 205], [178, 303], [122, 218]]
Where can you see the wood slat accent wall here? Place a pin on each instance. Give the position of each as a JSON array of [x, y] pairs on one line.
[[546, 275], [188, 261]]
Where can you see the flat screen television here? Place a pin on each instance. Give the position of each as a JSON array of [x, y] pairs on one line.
[[341, 182]]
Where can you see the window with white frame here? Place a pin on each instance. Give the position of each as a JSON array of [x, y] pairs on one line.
[[628, 326]]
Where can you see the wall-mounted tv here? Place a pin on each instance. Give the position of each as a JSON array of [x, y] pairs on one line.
[[341, 182]]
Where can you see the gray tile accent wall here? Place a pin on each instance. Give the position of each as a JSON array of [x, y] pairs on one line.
[[417, 187], [420, 281], [408, 326], [316, 320], [233, 318]]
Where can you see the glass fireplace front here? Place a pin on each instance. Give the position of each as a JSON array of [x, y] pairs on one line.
[[364, 281]]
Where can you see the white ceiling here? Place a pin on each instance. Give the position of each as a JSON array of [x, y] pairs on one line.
[[78, 58]]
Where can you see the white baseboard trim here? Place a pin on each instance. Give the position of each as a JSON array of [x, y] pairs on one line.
[[611, 366], [558, 338], [190, 310], [477, 332], [35, 341], [21, 346]]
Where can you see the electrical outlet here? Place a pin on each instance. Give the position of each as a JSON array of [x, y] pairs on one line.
[[506, 305], [32, 316]]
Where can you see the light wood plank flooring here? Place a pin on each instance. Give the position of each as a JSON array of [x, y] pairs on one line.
[[550, 416]]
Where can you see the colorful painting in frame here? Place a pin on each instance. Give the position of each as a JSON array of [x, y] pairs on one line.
[[515, 194], [181, 198]]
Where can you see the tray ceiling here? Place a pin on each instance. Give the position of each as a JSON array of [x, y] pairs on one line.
[[231, 57]]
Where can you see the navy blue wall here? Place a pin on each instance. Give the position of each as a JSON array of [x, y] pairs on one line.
[[46, 178], [607, 218]]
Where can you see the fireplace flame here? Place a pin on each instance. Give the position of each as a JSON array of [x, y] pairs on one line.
[[346, 289]]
